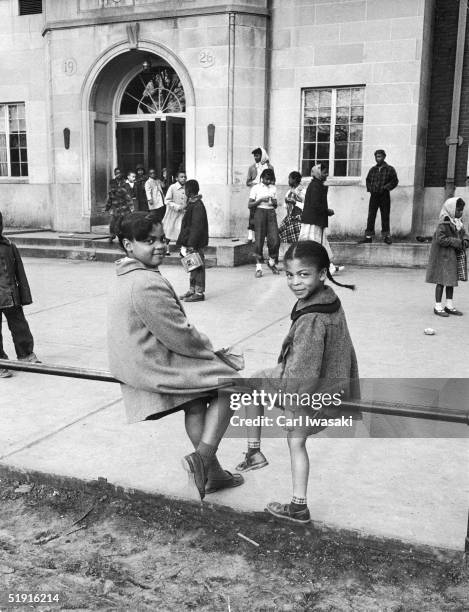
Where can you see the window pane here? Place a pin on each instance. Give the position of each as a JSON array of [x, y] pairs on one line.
[[357, 114], [309, 151], [340, 168], [309, 133], [343, 113], [3, 169], [24, 155], [14, 141], [324, 115], [324, 133], [356, 133], [15, 155], [3, 141], [13, 112], [2, 114], [343, 97], [341, 133], [15, 169], [24, 169], [358, 96], [323, 150], [22, 140], [355, 150], [341, 151], [311, 116], [325, 97], [354, 167], [311, 98], [306, 167]]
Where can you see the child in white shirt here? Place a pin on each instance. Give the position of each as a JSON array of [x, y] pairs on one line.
[[263, 198]]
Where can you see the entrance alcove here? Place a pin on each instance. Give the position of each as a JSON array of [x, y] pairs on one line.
[[137, 112]]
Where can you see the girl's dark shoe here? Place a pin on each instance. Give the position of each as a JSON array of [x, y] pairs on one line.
[[231, 481], [440, 313], [194, 466], [252, 461], [365, 240], [284, 511], [186, 295], [387, 240], [195, 297], [258, 273], [453, 311]]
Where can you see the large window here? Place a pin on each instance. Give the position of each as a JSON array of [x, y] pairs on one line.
[[332, 130], [13, 151]]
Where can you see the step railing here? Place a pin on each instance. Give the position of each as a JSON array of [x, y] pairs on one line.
[[383, 408]]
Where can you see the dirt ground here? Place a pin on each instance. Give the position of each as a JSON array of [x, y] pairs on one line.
[[99, 551]]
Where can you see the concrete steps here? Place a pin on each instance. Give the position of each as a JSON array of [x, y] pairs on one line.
[[222, 252]]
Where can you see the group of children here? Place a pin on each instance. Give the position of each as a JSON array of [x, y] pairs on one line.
[[166, 365]]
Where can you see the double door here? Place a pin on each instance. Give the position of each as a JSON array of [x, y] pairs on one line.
[[154, 144]]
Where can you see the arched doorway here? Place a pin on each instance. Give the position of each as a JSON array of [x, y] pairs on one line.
[[137, 106], [151, 120]]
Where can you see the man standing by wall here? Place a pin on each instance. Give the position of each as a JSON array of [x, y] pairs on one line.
[[380, 181]]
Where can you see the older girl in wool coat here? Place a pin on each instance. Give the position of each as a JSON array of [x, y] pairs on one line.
[[449, 240], [162, 361], [316, 356]]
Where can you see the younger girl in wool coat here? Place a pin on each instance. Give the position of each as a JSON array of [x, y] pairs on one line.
[[316, 356], [162, 361], [449, 240]]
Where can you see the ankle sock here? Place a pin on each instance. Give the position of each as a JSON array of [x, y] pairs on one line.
[[259, 266], [298, 503], [207, 452], [438, 306], [254, 447], [449, 304], [271, 261]]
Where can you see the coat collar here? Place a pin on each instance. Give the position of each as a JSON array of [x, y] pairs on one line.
[[4, 240], [127, 264], [324, 300]]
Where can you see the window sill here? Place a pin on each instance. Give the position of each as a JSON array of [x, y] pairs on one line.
[[13, 179]]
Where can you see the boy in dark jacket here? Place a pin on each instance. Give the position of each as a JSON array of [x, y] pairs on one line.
[[194, 238], [14, 294]]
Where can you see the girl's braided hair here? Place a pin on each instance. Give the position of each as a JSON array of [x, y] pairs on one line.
[[315, 255]]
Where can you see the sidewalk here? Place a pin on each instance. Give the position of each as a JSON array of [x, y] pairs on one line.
[[413, 489]]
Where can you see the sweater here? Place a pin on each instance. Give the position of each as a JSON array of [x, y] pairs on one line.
[[14, 286]]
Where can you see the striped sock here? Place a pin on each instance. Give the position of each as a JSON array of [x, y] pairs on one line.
[[298, 503]]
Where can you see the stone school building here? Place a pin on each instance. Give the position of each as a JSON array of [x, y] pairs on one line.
[[86, 85]]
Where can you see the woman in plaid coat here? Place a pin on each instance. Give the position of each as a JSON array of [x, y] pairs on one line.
[[447, 262]]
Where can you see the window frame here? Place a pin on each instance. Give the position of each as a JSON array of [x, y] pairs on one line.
[[332, 180], [9, 178]]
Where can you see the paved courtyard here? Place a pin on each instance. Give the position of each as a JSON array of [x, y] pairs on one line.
[[415, 488]]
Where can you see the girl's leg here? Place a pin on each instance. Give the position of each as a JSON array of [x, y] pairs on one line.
[[438, 297], [195, 422], [450, 309], [297, 510], [299, 461], [205, 429], [253, 459]]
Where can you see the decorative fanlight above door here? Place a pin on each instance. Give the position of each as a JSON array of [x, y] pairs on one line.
[[154, 91]]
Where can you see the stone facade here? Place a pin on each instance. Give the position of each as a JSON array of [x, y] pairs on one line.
[[69, 64]]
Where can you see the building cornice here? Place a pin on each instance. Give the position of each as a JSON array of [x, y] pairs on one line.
[[153, 15]]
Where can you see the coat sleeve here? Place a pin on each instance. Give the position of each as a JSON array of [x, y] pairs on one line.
[[148, 190], [303, 360], [159, 310], [252, 173], [445, 240], [368, 180], [21, 279]]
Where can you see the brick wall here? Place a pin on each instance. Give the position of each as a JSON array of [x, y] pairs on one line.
[[441, 92]]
